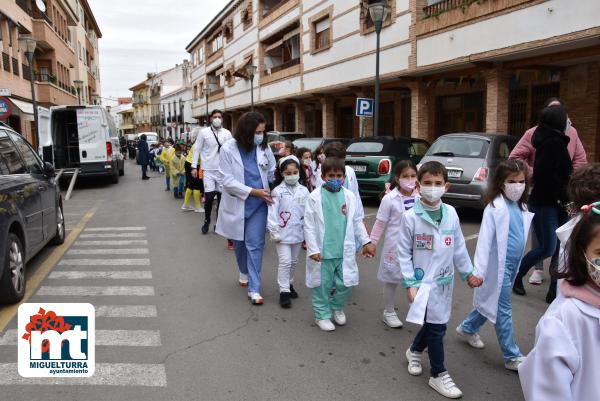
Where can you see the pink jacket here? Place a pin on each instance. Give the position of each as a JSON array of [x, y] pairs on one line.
[[525, 151]]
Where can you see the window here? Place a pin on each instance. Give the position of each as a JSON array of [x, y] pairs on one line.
[[216, 43], [9, 158], [31, 160], [79, 50], [366, 23], [322, 34], [283, 51], [10, 34], [228, 29], [247, 15], [200, 55]]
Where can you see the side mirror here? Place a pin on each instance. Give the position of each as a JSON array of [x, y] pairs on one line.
[[49, 170]]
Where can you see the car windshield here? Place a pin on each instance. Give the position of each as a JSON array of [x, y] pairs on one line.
[[459, 147], [311, 144], [365, 147]]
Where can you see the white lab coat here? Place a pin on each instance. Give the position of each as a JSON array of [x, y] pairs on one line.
[[206, 147], [436, 266], [314, 231], [286, 214], [350, 183], [230, 223], [565, 360], [490, 255], [390, 211]]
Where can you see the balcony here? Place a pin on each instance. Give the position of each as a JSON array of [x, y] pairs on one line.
[[48, 39], [50, 94], [271, 10]]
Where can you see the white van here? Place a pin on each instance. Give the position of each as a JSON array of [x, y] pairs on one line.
[[83, 137], [151, 137]]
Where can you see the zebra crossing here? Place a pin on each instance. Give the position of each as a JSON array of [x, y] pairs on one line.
[[98, 262]]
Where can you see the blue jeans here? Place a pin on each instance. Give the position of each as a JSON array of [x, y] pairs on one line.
[[504, 324], [249, 252], [431, 336], [168, 182]]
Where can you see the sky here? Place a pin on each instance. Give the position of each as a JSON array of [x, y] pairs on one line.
[[141, 36]]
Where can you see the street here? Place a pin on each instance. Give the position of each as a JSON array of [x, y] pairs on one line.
[[173, 324]]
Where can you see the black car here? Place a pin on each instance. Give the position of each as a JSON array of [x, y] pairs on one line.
[[31, 213], [313, 143]]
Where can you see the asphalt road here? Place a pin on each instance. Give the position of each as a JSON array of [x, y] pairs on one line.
[[173, 324]]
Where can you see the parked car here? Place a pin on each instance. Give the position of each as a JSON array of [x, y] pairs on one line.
[[84, 138], [373, 159], [31, 212], [276, 139], [471, 160], [314, 143]]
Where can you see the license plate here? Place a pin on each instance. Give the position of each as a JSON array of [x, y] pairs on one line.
[[359, 169], [454, 173]]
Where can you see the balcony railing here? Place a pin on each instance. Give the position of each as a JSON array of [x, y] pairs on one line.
[[283, 66], [443, 6], [267, 11], [46, 78]]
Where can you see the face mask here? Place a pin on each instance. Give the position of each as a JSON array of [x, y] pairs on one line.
[[432, 194], [407, 184], [291, 180], [593, 267], [282, 152], [178, 154], [307, 162], [514, 190], [569, 125], [321, 158], [216, 122], [333, 185], [258, 139]]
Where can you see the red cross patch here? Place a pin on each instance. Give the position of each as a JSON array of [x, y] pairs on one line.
[[448, 241], [344, 209]]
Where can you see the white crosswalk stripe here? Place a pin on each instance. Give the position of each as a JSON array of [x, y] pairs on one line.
[[114, 275], [125, 338], [114, 235], [112, 242], [115, 229], [108, 251], [105, 262], [91, 291], [106, 374], [127, 311]]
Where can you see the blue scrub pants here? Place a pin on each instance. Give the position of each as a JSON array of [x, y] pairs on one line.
[[249, 252], [504, 324]]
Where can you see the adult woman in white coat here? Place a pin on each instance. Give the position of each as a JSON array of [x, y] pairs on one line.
[[500, 248], [247, 166], [564, 362]]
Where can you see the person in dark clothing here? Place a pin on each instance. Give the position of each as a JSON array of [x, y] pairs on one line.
[[143, 156], [551, 172], [123, 146]]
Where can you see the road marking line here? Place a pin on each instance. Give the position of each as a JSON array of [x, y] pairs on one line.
[[7, 313], [105, 262], [114, 235], [109, 338], [109, 251], [106, 374], [113, 243], [115, 229], [90, 291], [116, 275], [126, 311], [471, 237]]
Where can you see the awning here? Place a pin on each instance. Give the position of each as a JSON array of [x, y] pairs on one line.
[[291, 34], [25, 107], [274, 45]]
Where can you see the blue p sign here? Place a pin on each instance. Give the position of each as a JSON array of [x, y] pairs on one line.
[[364, 107]]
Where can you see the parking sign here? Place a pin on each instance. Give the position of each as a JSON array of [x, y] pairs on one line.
[[364, 107]]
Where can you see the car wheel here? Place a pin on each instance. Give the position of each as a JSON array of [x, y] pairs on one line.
[[59, 237], [12, 284], [122, 170], [115, 178]]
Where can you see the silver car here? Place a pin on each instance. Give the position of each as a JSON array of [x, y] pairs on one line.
[[470, 159]]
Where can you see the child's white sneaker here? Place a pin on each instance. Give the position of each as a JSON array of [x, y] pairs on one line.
[[414, 362], [243, 280], [339, 317], [255, 298], [537, 277], [199, 210], [391, 319], [474, 340], [444, 385], [513, 364], [325, 325], [186, 208]]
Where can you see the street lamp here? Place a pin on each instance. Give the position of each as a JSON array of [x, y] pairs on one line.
[[27, 44], [250, 72], [79, 86], [206, 90], [378, 12]]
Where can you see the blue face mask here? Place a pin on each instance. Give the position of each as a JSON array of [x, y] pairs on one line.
[[333, 184], [258, 139]]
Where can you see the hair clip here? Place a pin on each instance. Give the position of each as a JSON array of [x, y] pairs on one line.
[[592, 207]]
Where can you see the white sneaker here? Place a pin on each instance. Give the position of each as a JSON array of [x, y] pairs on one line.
[[186, 208], [325, 325], [444, 385], [199, 210], [414, 362], [513, 364], [339, 317], [472, 339], [537, 277], [392, 320], [243, 280], [255, 298]]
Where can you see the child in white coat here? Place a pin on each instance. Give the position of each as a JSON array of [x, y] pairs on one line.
[[500, 248], [286, 223], [400, 199], [332, 227], [564, 362]]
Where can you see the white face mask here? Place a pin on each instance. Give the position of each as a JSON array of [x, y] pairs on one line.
[[431, 193], [217, 122], [593, 267], [569, 125], [291, 180], [514, 190], [307, 162]]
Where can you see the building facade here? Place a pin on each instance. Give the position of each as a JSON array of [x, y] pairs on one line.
[[446, 65], [56, 65], [142, 108]]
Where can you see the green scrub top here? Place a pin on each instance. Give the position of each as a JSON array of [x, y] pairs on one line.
[[334, 215]]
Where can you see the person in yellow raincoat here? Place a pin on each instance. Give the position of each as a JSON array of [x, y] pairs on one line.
[[165, 157], [177, 170]]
